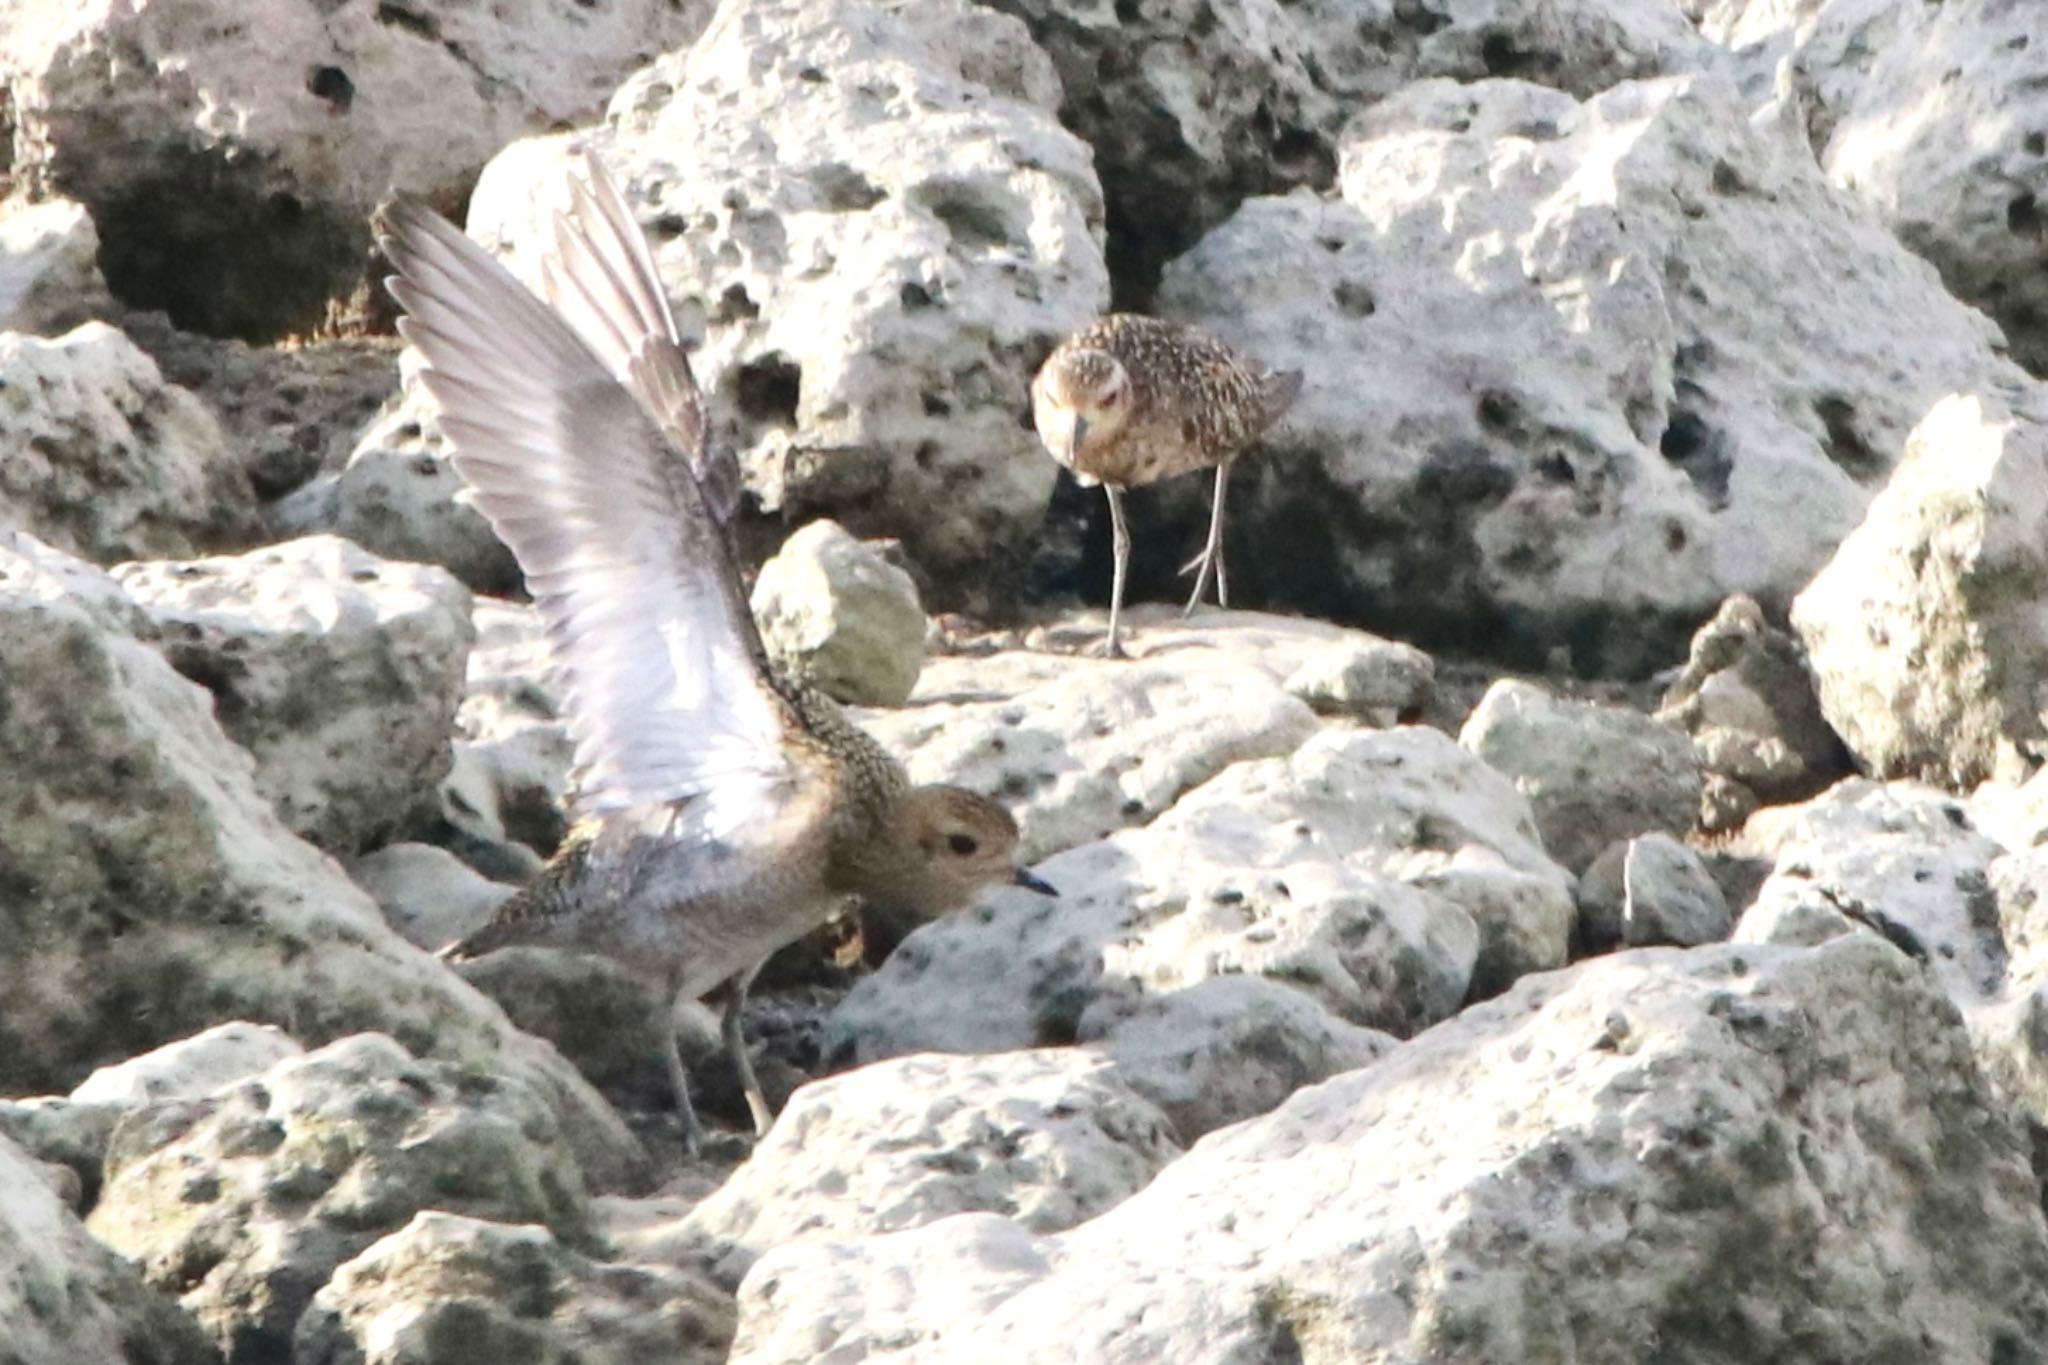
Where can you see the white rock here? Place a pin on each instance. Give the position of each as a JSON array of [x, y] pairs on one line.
[[872, 218], [1927, 631], [231, 150], [106, 460], [834, 609], [1944, 138], [1724, 1152], [427, 894], [1570, 363], [190, 1068], [1050, 1138], [1814, 57], [338, 670], [64, 1298], [169, 897], [1592, 773], [1649, 891], [1378, 681], [49, 269]]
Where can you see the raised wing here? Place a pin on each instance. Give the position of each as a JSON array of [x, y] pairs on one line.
[[653, 646], [602, 279]]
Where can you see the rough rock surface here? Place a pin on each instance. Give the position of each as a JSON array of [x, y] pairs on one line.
[[1050, 1138], [1567, 364], [106, 460], [1592, 773], [151, 891], [870, 215], [1381, 874], [49, 272], [838, 612], [1737, 1153], [190, 1068], [1927, 630], [1649, 891], [1945, 139], [430, 896], [447, 1288], [1808, 60], [231, 150], [244, 1204], [64, 1298], [339, 671]]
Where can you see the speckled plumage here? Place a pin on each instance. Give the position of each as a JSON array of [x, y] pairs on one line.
[[1129, 400], [724, 810]]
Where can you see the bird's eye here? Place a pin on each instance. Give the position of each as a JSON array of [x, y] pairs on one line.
[[963, 844]]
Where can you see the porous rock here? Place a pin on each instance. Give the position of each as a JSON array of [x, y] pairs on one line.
[[1729, 1152], [872, 219], [49, 272], [1648, 891], [431, 897], [245, 1203], [190, 1068], [838, 612], [339, 671]]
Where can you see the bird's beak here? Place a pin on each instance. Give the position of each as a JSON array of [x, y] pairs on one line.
[[1075, 435], [1031, 883]]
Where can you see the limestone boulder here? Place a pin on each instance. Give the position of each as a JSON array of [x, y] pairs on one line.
[[63, 1136], [231, 151], [872, 219], [1807, 61], [105, 459], [49, 269], [245, 1203], [151, 891], [1567, 364], [430, 896], [1727, 1153], [339, 671], [190, 1068], [64, 1298], [1928, 631], [1649, 891], [445, 1287], [838, 612], [1593, 773]]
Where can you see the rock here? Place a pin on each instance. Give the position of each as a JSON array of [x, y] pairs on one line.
[[1726, 1153], [64, 1298], [1592, 773], [399, 497], [1648, 891], [1812, 58], [1380, 682], [596, 1014], [1925, 629], [1381, 874], [1943, 139], [63, 1133], [1899, 861], [39, 576], [191, 1068], [167, 896], [339, 671], [1050, 1138], [1225, 1048], [446, 1287], [245, 1203], [1535, 415], [835, 610], [49, 272], [1192, 105], [106, 460], [1747, 699], [427, 894], [516, 759], [235, 193], [871, 217]]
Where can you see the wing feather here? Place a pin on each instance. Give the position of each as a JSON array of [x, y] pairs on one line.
[[652, 644]]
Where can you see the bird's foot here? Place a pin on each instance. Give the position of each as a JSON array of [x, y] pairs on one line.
[[1202, 566], [1108, 647]]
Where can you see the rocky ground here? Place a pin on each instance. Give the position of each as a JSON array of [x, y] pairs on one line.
[[1594, 910]]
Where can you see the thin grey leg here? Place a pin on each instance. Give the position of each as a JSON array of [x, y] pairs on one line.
[[693, 1131], [1211, 558], [731, 1029], [1120, 546]]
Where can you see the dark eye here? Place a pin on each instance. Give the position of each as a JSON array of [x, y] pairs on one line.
[[963, 844]]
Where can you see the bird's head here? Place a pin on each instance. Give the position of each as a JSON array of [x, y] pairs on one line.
[[1080, 398], [946, 846]]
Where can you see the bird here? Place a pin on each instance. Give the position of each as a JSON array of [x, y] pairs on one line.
[[1130, 399], [722, 808]]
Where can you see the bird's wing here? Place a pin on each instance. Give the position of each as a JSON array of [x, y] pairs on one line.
[[601, 278], [663, 689]]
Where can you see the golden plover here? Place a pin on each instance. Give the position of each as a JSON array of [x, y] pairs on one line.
[[1131, 399], [724, 810]]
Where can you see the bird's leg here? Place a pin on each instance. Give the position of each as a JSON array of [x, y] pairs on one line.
[[1211, 557], [693, 1131], [730, 1028], [1120, 548]]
